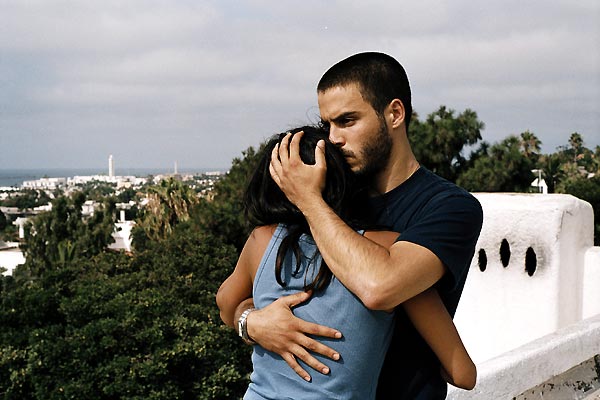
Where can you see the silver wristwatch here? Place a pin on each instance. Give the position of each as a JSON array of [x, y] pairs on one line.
[[243, 327]]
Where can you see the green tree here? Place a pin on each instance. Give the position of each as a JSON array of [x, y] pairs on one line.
[[504, 168], [3, 221], [127, 195], [65, 229], [530, 145], [552, 170], [576, 145], [588, 190], [27, 199], [439, 141], [169, 203], [223, 213], [130, 327]]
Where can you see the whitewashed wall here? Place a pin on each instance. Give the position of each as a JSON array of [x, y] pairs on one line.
[[506, 306]]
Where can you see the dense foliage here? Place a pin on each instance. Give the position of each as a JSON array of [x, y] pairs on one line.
[[3, 221], [116, 326], [80, 322], [222, 215], [27, 199]]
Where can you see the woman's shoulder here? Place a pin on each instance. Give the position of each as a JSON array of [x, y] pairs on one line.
[[263, 233]]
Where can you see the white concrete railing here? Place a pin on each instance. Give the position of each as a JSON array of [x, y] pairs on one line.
[[526, 368], [535, 273]]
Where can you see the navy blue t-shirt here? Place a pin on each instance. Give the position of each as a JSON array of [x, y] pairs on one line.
[[429, 211]]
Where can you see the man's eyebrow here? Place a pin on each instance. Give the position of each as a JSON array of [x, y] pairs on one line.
[[345, 115]]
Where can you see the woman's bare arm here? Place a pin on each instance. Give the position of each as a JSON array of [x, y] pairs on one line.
[[283, 327], [238, 286], [431, 319]]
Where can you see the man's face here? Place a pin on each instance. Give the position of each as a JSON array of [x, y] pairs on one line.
[[355, 127]]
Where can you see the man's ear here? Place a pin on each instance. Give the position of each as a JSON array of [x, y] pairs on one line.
[[396, 113]]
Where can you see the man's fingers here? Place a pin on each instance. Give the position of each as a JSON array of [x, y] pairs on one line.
[[320, 154], [301, 353], [275, 164], [293, 300], [284, 149], [291, 361], [314, 346], [295, 145]]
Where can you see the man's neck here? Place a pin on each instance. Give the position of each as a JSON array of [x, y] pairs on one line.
[[401, 166]]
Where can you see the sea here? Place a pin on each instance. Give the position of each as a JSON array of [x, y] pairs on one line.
[[16, 177]]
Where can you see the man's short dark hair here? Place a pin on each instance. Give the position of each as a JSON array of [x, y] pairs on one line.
[[380, 79]]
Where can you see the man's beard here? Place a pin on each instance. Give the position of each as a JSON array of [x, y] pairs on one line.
[[376, 154]]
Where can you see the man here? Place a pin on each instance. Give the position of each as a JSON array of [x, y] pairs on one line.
[[365, 102]]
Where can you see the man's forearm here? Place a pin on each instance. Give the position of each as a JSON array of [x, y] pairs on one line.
[[381, 278], [356, 261], [243, 306]]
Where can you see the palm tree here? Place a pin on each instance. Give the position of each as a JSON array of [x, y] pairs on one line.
[[552, 170], [530, 144], [576, 143], [168, 204]]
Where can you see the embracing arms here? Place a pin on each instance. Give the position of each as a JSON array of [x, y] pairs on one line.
[[382, 278], [284, 333], [425, 310]]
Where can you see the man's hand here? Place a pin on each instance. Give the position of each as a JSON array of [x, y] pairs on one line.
[[276, 329], [301, 183]]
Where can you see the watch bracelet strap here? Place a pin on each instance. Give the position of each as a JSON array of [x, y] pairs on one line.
[[243, 327]]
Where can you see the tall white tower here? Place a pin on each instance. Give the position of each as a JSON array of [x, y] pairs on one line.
[[111, 166], [175, 172]]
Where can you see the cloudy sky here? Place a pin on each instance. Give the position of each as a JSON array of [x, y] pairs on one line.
[[197, 82]]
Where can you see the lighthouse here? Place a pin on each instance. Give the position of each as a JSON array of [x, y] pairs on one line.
[[111, 166]]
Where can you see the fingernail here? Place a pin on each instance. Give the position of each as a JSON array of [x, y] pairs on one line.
[[325, 370], [307, 378], [336, 356], [338, 335]]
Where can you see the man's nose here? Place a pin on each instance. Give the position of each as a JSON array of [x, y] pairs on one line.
[[336, 137]]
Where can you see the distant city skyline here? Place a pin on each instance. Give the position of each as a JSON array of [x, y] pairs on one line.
[[199, 82]]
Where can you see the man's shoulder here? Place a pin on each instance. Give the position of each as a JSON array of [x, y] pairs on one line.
[[442, 189], [447, 198]]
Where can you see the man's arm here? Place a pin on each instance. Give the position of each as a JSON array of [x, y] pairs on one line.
[[381, 278], [276, 329]]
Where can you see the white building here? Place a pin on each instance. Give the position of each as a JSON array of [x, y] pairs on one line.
[[122, 235], [45, 184], [20, 223], [10, 257], [530, 310]]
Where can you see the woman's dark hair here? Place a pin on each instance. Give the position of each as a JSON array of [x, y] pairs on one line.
[[265, 203]]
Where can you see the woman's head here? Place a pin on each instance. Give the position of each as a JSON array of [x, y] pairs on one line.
[[266, 204]]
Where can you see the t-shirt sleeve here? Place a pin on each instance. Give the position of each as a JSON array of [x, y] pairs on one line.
[[449, 226]]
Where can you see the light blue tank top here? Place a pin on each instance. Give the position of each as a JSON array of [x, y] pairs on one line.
[[366, 333]]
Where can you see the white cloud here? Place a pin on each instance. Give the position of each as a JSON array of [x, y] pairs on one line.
[[218, 76]]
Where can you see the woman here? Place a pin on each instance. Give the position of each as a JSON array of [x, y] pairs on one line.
[[280, 258]]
